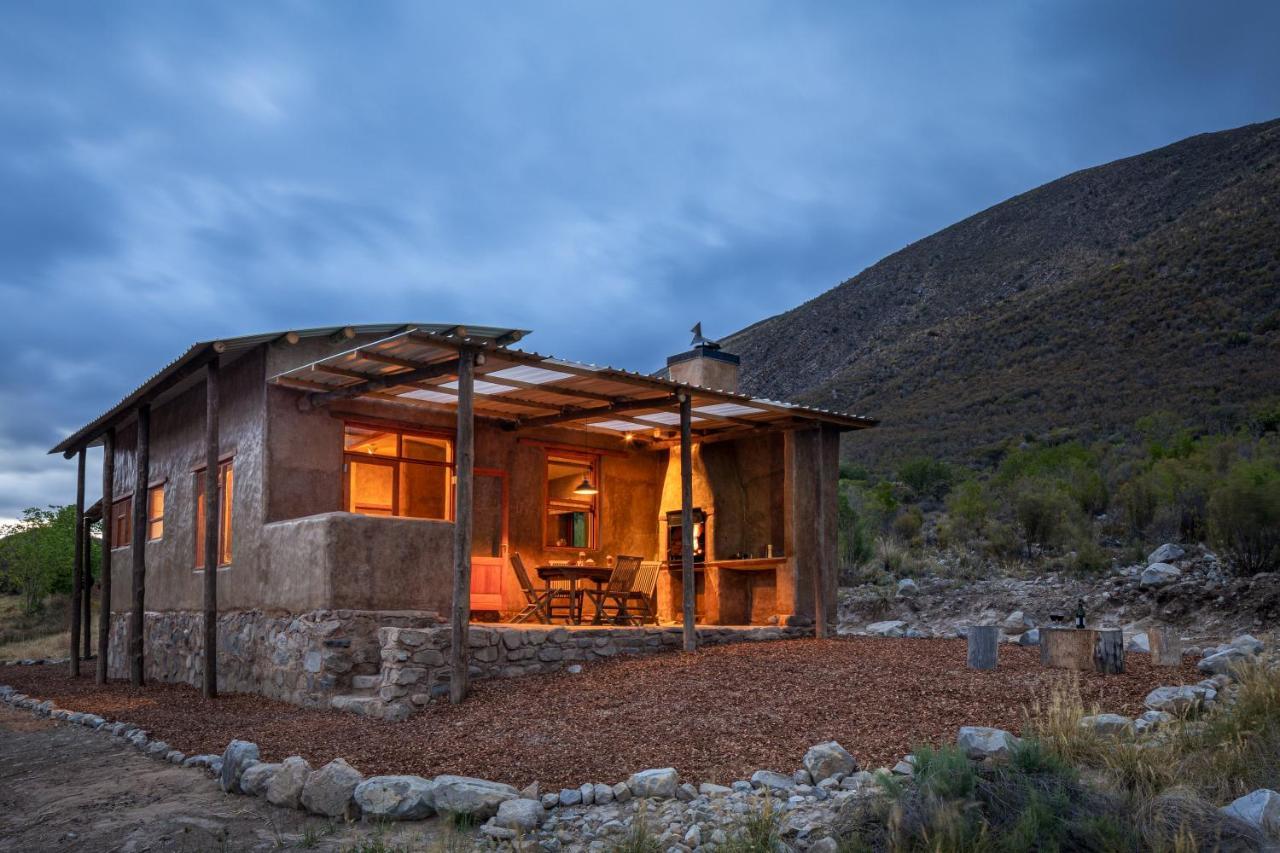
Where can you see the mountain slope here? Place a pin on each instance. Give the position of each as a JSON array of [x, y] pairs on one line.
[[1149, 283]]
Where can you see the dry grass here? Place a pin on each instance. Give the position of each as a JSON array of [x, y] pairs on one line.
[[39, 635], [48, 646]]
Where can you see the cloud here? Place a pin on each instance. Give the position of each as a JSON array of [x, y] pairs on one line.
[[604, 175]]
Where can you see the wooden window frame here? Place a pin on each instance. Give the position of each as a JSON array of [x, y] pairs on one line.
[[226, 465], [593, 527], [397, 462], [152, 519], [122, 522]]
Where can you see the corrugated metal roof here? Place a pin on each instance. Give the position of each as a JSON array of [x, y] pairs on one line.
[[90, 434]]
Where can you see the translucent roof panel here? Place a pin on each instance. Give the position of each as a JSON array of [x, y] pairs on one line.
[[667, 418], [481, 387], [729, 409], [530, 374], [429, 396]]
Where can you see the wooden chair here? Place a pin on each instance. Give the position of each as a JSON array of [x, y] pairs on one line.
[[631, 582], [540, 602]]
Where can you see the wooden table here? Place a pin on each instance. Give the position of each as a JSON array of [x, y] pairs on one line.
[[599, 575]]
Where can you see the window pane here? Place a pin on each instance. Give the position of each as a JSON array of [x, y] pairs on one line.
[[370, 442], [427, 449], [571, 517], [155, 513], [228, 489], [199, 561], [424, 490], [371, 487], [568, 528]]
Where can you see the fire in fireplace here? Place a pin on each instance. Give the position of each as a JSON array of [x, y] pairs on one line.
[[675, 537]]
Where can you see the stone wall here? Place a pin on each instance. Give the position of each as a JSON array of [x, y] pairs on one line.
[[305, 659], [415, 662]]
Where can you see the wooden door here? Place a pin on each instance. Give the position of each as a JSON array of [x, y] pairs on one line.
[[488, 540]]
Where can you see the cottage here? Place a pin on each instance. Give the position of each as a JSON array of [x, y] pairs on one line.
[[357, 473]]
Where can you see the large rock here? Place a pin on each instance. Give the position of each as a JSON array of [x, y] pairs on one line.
[[463, 795], [657, 782], [1166, 553], [1107, 724], [985, 742], [395, 798], [1159, 574], [238, 756], [771, 780], [907, 588], [1260, 809], [1179, 700], [255, 779], [1248, 644], [891, 628], [1223, 662], [825, 760], [1029, 638], [328, 791], [1017, 622], [521, 815], [285, 788]]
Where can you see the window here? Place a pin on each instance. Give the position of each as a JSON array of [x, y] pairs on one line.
[[122, 523], [155, 512], [571, 515], [393, 473], [226, 486]]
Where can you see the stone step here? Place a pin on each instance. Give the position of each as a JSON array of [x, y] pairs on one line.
[[365, 682], [365, 706]]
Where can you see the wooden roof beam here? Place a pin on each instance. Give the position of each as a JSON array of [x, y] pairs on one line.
[[380, 383], [574, 414]]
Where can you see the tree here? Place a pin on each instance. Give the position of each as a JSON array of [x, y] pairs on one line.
[[36, 554], [1244, 518]]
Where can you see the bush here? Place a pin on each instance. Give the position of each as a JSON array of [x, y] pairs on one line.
[[853, 536], [907, 526], [36, 554], [1137, 502], [1040, 510], [969, 508], [1244, 518], [927, 478]]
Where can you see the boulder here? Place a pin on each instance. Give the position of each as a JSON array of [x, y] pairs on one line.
[[1029, 638], [907, 588], [570, 796], [1260, 809], [603, 794], [771, 780], [463, 795], [205, 760], [1166, 553], [891, 628], [1179, 700], [1149, 721], [621, 792], [984, 742], [328, 791], [1107, 724], [825, 760], [1222, 662], [285, 788], [238, 755], [660, 782], [1159, 574], [1139, 643], [1017, 622], [395, 798], [1248, 644], [255, 779], [520, 814]]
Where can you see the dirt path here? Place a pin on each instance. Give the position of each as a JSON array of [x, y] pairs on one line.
[[65, 788]]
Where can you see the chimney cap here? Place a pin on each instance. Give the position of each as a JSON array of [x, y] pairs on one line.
[[701, 341]]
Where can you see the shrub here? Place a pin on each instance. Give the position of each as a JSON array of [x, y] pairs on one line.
[[969, 508], [1040, 511], [1244, 518], [1137, 502], [853, 536], [907, 525], [927, 477]]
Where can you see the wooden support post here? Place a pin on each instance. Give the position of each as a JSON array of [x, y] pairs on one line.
[[1067, 648], [464, 468], [1108, 651], [820, 567], [86, 591], [138, 546], [212, 527], [984, 646], [1166, 646], [77, 568], [688, 575], [104, 591]]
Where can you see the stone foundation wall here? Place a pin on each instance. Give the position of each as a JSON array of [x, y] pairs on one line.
[[415, 662], [305, 659]]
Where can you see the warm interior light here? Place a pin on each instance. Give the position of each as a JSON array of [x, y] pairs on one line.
[[585, 487]]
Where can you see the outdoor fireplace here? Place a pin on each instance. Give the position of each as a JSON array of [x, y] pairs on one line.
[[675, 537]]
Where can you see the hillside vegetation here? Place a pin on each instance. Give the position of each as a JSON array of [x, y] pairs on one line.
[[1071, 311]]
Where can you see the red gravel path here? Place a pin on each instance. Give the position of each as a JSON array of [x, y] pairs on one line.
[[716, 715]]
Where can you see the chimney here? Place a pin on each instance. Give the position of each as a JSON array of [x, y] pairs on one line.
[[706, 364]]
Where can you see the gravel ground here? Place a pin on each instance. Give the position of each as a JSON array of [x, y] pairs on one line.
[[715, 716]]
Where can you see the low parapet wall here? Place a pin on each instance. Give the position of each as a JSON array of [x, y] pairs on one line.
[[415, 662]]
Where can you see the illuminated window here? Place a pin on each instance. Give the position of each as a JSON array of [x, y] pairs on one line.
[[571, 510], [226, 487], [388, 472], [155, 512], [122, 523]]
